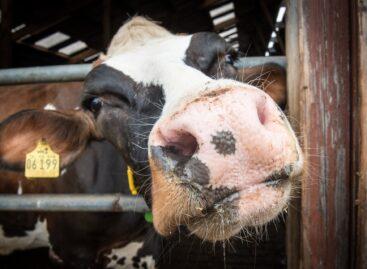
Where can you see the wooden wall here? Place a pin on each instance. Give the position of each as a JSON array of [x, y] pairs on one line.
[[327, 70]]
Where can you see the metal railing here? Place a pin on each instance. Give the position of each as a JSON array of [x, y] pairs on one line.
[[81, 202], [39, 74], [72, 202], [77, 72]]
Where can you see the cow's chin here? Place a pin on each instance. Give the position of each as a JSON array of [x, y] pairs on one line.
[[252, 207], [176, 203]]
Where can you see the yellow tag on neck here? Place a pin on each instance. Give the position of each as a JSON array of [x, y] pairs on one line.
[[130, 179], [42, 162]]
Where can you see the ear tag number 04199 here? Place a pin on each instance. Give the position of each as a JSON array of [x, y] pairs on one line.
[[42, 162]]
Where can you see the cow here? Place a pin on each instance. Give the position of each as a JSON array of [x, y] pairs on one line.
[[208, 151], [21, 231]]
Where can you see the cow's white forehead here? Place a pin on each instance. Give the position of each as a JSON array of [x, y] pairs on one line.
[[161, 62]]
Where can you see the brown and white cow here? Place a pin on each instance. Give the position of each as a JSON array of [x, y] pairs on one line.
[[220, 154]]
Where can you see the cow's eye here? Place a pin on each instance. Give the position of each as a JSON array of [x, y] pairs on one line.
[[94, 104]]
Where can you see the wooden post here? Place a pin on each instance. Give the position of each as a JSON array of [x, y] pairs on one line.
[[5, 34], [318, 55], [293, 76], [359, 131]]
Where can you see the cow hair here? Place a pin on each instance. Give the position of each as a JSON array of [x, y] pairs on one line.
[[135, 32]]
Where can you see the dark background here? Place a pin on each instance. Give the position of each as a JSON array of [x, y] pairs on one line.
[[95, 21]]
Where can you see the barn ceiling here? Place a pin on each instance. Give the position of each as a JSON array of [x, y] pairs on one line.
[[43, 32]]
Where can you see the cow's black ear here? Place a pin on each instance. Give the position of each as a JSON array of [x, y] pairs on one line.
[[67, 133], [269, 77]]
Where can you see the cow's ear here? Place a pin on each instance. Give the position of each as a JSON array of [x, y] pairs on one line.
[[67, 133], [269, 77]]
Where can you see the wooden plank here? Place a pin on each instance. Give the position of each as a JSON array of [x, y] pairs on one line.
[[54, 17], [359, 57], [293, 92], [79, 57], [322, 80]]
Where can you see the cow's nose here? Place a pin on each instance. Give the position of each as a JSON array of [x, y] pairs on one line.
[[224, 137], [175, 153]]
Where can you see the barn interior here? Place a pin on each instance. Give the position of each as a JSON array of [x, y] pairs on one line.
[[44, 32], [40, 33]]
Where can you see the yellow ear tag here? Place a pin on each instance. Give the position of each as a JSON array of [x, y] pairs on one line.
[[42, 162], [130, 179]]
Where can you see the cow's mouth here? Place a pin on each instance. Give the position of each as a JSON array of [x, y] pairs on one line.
[[213, 213], [221, 202], [227, 197], [214, 198], [220, 217], [228, 216]]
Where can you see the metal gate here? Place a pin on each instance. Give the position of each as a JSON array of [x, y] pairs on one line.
[[326, 45]]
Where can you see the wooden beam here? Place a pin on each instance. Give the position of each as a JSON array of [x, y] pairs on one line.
[[293, 102], [79, 57], [106, 20], [322, 108], [359, 131], [260, 34], [54, 18], [224, 25], [270, 21], [5, 33]]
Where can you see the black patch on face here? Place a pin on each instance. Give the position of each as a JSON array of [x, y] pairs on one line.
[[214, 196], [121, 261], [188, 169], [127, 116], [224, 142], [114, 257], [193, 170], [104, 80], [278, 177], [207, 52], [203, 50]]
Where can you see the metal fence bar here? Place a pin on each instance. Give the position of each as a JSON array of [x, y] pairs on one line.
[[72, 202], [77, 72], [57, 73], [253, 61]]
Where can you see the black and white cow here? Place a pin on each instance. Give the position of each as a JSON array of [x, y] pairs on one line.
[[75, 239], [209, 152]]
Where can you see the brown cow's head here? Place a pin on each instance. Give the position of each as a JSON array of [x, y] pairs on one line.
[[220, 153]]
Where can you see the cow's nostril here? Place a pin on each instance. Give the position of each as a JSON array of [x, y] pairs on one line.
[[175, 153], [181, 144]]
